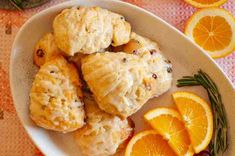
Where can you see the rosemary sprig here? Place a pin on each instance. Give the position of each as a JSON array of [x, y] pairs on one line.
[[17, 4], [219, 142]]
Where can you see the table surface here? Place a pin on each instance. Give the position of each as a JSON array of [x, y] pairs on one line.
[[14, 140]]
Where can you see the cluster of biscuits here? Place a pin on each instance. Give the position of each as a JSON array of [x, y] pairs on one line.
[[95, 73]]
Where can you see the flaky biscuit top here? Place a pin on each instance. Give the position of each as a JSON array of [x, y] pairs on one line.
[[55, 97]]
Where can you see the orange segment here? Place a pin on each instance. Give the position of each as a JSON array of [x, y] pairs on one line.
[[148, 143], [206, 3], [208, 33], [168, 123], [198, 118], [213, 29]]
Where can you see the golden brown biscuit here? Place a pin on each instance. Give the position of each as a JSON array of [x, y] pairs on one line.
[[89, 29], [103, 134], [56, 97], [139, 42], [149, 51], [121, 83], [45, 49], [121, 30]]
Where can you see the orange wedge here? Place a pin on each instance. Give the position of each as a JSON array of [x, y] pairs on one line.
[[168, 123], [206, 3], [148, 143], [213, 29], [198, 118]]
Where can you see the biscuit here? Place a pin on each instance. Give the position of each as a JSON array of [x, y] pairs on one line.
[[104, 134], [56, 97], [121, 30], [121, 83], [45, 49], [89, 29], [149, 51]]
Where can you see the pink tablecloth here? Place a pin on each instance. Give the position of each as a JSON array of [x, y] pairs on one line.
[[13, 139]]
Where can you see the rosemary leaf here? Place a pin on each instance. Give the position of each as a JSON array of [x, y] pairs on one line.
[[219, 142], [17, 4]]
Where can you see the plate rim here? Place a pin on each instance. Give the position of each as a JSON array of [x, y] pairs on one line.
[[71, 3]]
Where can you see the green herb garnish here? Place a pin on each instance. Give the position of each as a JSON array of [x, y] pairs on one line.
[[20, 4], [219, 142], [17, 3]]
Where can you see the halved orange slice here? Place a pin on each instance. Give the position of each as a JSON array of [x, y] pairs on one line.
[[148, 143], [168, 123], [213, 29], [206, 3], [198, 118]]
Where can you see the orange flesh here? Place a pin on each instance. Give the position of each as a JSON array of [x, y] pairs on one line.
[[152, 145], [174, 131], [195, 119], [212, 33]]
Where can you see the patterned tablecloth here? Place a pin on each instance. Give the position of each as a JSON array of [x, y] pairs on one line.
[[13, 138]]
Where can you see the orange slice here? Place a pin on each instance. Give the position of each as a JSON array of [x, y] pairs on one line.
[[206, 3], [167, 122], [148, 143], [198, 118], [213, 29]]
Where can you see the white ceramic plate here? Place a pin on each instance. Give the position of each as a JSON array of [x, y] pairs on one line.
[[186, 57]]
